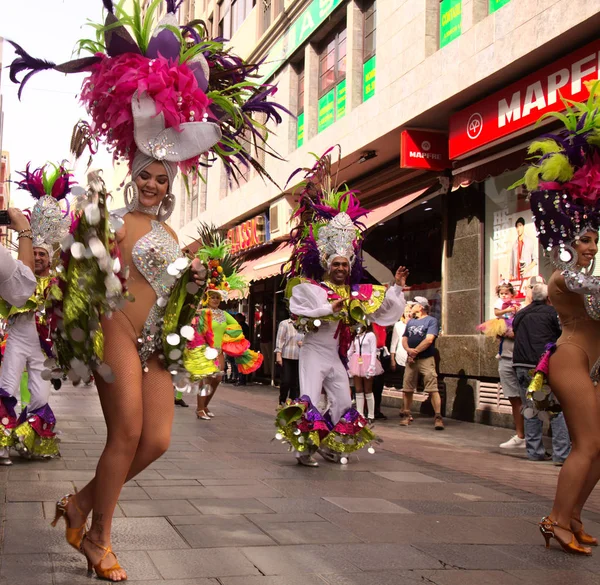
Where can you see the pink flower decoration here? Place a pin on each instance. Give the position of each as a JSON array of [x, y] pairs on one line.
[[585, 184], [108, 91]]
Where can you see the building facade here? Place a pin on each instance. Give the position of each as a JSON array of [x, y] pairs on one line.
[[432, 103]]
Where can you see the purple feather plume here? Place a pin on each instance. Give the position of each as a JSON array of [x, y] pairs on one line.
[[25, 62], [173, 5]]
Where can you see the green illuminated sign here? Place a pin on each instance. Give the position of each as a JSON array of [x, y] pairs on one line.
[[369, 72], [497, 4], [450, 21], [307, 23], [340, 99], [326, 110], [300, 130]]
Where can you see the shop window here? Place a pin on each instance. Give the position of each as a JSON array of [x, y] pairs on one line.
[[182, 204], [270, 10], [512, 251], [300, 110], [450, 21], [332, 80], [413, 239], [232, 13], [369, 69]]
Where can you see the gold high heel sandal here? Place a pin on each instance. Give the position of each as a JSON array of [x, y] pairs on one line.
[[101, 573], [547, 528], [582, 536], [74, 536]]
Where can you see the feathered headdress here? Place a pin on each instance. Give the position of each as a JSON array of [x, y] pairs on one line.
[[564, 178], [329, 226], [215, 251], [49, 185], [192, 95]]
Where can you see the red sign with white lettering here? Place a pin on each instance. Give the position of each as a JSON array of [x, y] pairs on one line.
[[247, 235], [424, 149], [522, 103]]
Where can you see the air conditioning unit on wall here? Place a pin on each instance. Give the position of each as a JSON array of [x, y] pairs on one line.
[[280, 216]]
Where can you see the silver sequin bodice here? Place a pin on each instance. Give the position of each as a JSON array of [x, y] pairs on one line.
[[152, 255]]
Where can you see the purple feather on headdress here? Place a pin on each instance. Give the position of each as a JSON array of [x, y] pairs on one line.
[[26, 62], [117, 39], [109, 6], [173, 5]]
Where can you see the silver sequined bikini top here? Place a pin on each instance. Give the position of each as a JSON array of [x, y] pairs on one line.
[[152, 254]]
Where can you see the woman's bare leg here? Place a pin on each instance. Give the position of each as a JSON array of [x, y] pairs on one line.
[[121, 404], [570, 381]]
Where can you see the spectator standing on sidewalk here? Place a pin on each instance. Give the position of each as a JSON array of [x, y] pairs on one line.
[[287, 353], [535, 326], [418, 341], [383, 355], [511, 389]]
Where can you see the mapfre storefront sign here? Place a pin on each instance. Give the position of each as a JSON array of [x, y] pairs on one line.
[[424, 149], [520, 105]]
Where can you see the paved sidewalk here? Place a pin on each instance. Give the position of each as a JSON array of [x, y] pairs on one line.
[[227, 505]]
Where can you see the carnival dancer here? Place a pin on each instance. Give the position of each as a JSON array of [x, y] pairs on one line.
[[565, 199], [329, 304], [28, 345], [220, 330], [147, 95]]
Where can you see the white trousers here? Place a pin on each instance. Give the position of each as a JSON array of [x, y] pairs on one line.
[[321, 368], [23, 351]]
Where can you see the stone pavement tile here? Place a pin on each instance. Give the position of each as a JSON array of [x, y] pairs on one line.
[[131, 492], [537, 577], [197, 474], [148, 508], [432, 507], [371, 505], [475, 556], [26, 569], [37, 491], [384, 557], [192, 564], [407, 476], [229, 482], [242, 491], [297, 517], [507, 509], [307, 533], [220, 531], [162, 464], [552, 558], [150, 534], [376, 528], [233, 506], [203, 519], [94, 453], [178, 492], [251, 473], [78, 464], [311, 505], [66, 475], [376, 578], [454, 492], [298, 559], [20, 474], [342, 473], [307, 579], [72, 569], [454, 577], [510, 530], [332, 488], [144, 483], [90, 438], [24, 510], [68, 454], [34, 536], [200, 581]]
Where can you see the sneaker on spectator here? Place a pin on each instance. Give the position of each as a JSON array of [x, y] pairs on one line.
[[404, 418], [513, 443], [438, 422]]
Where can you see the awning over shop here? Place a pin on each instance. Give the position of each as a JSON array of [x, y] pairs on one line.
[[267, 265], [384, 212]]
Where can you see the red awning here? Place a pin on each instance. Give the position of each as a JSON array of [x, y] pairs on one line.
[[266, 266], [391, 209]]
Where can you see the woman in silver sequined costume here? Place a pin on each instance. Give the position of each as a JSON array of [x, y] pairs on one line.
[[564, 182], [138, 405]]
